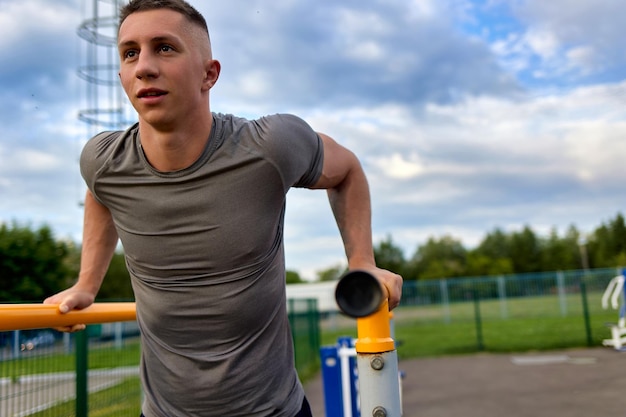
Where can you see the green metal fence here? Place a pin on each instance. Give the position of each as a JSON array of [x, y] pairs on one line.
[[45, 373], [95, 373], [515, 312], [304, 319]]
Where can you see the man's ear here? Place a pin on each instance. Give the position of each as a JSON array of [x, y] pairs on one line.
[[212, 73]]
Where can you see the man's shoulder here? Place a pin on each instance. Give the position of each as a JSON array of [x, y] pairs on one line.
[[285, 119], [106, 140], [103, 148], [277, 119], [107, 136]]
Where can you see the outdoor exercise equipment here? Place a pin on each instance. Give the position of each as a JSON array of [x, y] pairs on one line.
[[42, 316], [616, 293], [360, 296]]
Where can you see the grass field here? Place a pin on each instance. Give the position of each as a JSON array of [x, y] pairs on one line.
[[99, 358], [517, 325], [120, 400]]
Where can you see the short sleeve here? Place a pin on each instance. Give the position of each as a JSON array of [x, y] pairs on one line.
[[294, 147], [94, 156]]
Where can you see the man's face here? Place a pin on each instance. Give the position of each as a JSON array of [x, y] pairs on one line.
[[164, 66]]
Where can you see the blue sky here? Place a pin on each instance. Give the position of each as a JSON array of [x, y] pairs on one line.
[[466, 115]]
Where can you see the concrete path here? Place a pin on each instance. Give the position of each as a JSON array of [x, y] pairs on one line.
[[571, 383], [29, 394]]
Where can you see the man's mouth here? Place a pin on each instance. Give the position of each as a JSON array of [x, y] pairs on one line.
[[150, 93]]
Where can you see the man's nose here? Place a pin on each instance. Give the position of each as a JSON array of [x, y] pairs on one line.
[[147, 66]]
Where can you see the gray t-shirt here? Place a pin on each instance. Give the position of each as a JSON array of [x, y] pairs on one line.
[[204, 248]]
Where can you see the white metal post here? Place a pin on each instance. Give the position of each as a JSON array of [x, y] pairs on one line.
[[359, 295], [379, 384]]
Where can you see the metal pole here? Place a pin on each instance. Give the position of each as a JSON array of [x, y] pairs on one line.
[[583, 292], [82, 406], [359, 295], [478, 321], [42, 316]]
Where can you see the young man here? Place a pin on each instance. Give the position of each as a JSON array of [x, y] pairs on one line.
[[198, 201]]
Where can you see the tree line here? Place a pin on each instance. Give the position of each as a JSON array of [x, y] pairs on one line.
[[34, 265], [516, 252]]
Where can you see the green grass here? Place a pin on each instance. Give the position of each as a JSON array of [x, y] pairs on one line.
[[120, 400], [99, 358], [519, 325]]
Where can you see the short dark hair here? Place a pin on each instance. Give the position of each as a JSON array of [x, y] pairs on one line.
[[180, 6]]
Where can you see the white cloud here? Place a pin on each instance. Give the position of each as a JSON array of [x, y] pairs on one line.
[[584, 58], [542, 42], [423, 9], [573, 37], [254, 84], [597, 150], [354, 23], [547, 161], [16, 161], [366, 51], [397, 166], [19, 18]]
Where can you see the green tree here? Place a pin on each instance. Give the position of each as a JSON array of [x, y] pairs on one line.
[[478, 264], [618, 236], [492, 256], [71, 261], [116, 284], [606, 246], [561, 253], [389, 256], [331, 274], [496, 245], [293, 277], [525, 251], [598, 247], [438, 258], [31, 263]]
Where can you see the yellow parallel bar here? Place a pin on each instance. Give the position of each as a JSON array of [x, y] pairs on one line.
[[374, 332], [41, 316]]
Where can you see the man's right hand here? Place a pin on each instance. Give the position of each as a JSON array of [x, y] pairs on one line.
[[71, 299]]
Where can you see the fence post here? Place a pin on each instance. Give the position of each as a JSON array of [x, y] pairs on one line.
[[504, 312], [445, 299], [583, 293], [81, 340], [314, 329], [291, 316], [16, 344], [560, 284], [478, 320]]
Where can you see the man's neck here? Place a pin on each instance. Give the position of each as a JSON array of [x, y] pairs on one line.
[[174, 149]]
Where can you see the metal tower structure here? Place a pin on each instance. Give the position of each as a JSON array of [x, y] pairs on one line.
[[106, 105]]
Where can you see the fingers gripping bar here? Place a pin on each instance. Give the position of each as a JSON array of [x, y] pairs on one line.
[[359, 295]]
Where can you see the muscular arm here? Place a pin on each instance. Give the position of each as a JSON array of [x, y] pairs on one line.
[[99, 242], [348, 193]]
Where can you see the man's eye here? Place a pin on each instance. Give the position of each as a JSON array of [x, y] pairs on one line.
[[165, 48], [130, 54]]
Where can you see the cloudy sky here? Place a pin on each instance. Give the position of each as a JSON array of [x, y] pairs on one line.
[[466, 115]]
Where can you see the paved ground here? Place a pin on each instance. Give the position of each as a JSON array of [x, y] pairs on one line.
[[29, 394], [572, 383]]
